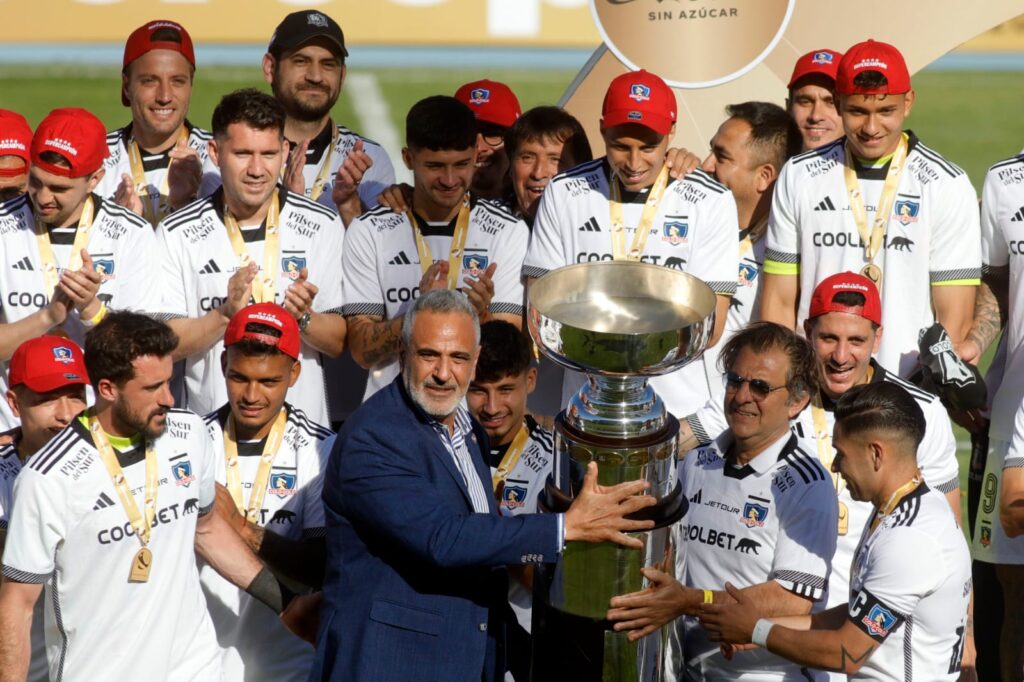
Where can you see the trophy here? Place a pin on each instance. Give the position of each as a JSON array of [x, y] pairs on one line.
[[620, 322]]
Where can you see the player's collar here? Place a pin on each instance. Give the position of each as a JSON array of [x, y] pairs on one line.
[[319, 144], [879, 172], [151, 161], [128, 450], [429, 229], [762, 463], [65, 236], [249, 234]]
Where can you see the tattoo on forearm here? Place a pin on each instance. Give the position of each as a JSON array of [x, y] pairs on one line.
[[847, 657], [380, 343], [254, 537], [988, 319]]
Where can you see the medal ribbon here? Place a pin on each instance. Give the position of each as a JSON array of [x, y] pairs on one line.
[[875, 238], [895, 499], [265, 284], [511, 458], [151, 205], [455, 252], [141, 524], [232, 469], [51, 272], [643, 228], [753, 236], [325, 169]]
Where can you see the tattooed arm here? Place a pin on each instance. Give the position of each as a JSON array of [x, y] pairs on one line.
[[373, 340], [991, 308]]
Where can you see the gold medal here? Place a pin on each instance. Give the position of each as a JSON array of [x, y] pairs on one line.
[[141, 564], [874, 273], [844, 519]]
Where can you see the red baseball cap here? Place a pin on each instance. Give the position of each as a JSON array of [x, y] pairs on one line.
[[491, 102], [141, 41], [823, 299], [873, 56], [639, 97], [15, 140], [75, 134], [269, 315], [824, 62], [47, 363]]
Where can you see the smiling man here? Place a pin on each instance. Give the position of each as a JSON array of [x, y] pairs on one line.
[[881, 203], [496, 109], [158, 163], [811, 101], [450, 239]]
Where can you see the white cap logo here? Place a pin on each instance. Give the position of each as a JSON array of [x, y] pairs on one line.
[[61, 144], [11, 143], [317, 19]]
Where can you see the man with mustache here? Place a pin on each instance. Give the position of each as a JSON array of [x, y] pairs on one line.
[[110, 515], [15, 142], [328, 163], [881, 203], [252, 239], [448, 239], [268, 458], [416, 551]]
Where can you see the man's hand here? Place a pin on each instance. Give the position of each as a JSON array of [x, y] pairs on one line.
[[350, 174], [598, 514], [649, 609], [396, 197], [302, 616], [81, 286], [730, 623], [239, 290], [298, 297], [436, 277], [224, 505], [293, 178], [681, 162], [480, 291], [184, 176], [126, 195]]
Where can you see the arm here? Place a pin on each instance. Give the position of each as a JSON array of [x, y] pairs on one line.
[[373, 340], [326, 332], [779, 297], [197, 334], [223, 549], [16, 603], [721, 313], [954, 309], [1011, 498], [991, 311]]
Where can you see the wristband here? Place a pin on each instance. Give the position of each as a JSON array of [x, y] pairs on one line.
[[268, 589], [95, 319], [760, 635], [709, 597]]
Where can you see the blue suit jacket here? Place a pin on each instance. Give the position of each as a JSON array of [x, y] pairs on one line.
[[415, 584]]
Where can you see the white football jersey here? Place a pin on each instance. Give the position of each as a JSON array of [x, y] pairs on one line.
[[199, 260], [255, 644], [378, 177], [989, 542], [10, 465], [69, 531], [154, 166], [382, 265], [772, 519], [911, 585], [123, 250], [932, 237], [694, 230], [519, 496], [936, 457]]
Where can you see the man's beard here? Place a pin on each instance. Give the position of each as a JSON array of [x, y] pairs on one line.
[[297, 109], [438, 411], [134, 422]]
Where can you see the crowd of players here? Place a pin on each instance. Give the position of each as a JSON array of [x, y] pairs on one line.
[[225, 271]]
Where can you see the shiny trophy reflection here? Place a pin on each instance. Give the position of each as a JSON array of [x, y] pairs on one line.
[[620, 322]]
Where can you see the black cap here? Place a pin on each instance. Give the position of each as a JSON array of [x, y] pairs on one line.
[[299, 28], [942, 372]]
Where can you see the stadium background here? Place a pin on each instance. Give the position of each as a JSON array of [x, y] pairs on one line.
[[68, 53]]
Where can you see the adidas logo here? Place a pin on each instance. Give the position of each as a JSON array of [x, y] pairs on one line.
[[590, 226], [1018, 216], [400, 259], [23, 264], [210, 268], [697, 497], [102, 502], [825, 205]]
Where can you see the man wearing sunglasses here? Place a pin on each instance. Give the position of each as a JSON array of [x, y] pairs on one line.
[[762, 512]]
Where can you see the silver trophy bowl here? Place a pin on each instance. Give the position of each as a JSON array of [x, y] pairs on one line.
[[620, 322]]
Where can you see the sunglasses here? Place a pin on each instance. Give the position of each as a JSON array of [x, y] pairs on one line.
[[759, 388]]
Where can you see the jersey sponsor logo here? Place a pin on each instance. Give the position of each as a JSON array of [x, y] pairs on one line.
[[1011, 176], [922, 171], [25, 299], [105, 268], [486, 221], [675, 232], [906, 211], [401, 294], [639, 92], [208, 303], [850, 240], [754, 513], [182, 473], [707, 456], [291, 266], [653, 259], [23, 264], [514, 496], [303, 225], [825, 205], [168, 514], [748, 273], [479, 96], [576, 187], [73, 466], [283, 485], [879, 621], [692, 193], [388, 221], [196, 232], [591, 225], [63, 355], [474, 264], [720, 539], [110, 227]]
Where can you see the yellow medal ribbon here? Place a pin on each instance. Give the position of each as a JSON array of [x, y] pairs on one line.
[[265, 284], [325, 169], [51, 271], [232, 468], [141, 524], [454, 253], [643, 228], [894, 500], [874, 238], [753, 236], [154, 208], [511, 458]]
